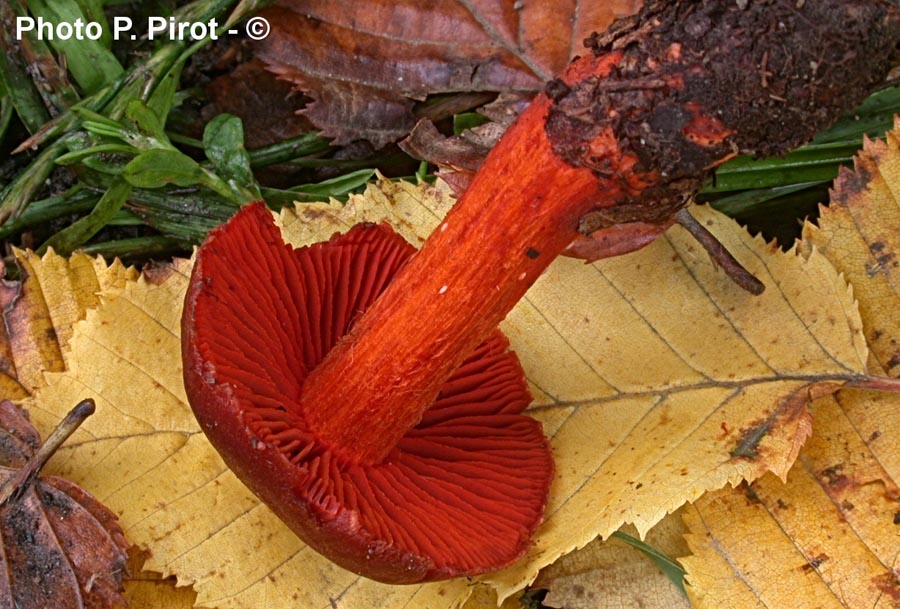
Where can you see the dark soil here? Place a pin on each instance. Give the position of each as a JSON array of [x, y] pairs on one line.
[[773, 73]]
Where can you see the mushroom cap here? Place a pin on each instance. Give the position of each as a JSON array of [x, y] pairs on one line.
[[462, 492]]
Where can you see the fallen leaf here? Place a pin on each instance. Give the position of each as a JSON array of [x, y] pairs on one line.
[[265, 104], [461, 155], [667, 381], [484, 598], [365, 66], [612, 573], [859, 232], [825, 538], [645, 412], [148, 590], [426, 143], [828, 536], [60, 547], [39, 313]]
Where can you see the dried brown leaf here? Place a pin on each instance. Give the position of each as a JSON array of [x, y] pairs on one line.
[[427, 143], [60, 547], [364, 63], [266, 105]]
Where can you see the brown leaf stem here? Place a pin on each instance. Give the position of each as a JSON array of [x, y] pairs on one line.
[[720, 254], [876, 383]]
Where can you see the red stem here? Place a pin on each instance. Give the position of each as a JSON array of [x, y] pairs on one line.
[[633, 128], [520, 212]]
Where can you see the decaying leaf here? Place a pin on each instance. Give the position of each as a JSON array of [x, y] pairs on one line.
[[39, 312], [266, 105], [60, 548], [463, 154], [828, 537], [612, 573], [645, 411], [365, 66]]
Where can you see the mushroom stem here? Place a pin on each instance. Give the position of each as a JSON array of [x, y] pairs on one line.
[[624, 137], [517, 216]]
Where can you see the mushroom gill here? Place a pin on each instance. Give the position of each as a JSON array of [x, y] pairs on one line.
[[459, 494]]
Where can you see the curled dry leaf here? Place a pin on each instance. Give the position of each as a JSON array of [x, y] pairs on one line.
[[462, 155], [365, 65], [828, 537], [61, 548], [644, 412]]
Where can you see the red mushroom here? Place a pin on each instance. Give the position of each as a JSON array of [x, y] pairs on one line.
[[332, 431], [458, 494]]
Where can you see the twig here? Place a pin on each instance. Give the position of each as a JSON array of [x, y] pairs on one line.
[[719, 254]]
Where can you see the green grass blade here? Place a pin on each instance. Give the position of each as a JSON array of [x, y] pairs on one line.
[[280, 152], [6, 112], [163, 98], [51, 80], [76, 201], [30, 181], [19, 86], [77, 234], [873, 117], [745, 201], [807, 164], [667, 565], [76, 156], [91, 64], [336, 187], [186, 217], [141, 247], [93, 10]]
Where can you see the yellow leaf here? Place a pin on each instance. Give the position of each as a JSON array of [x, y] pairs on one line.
[[828, 537], [658, 379], [612, 573], [484, 597], [147, 590], [860, 233], [40, 311], [413, 211], [654, 376]]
